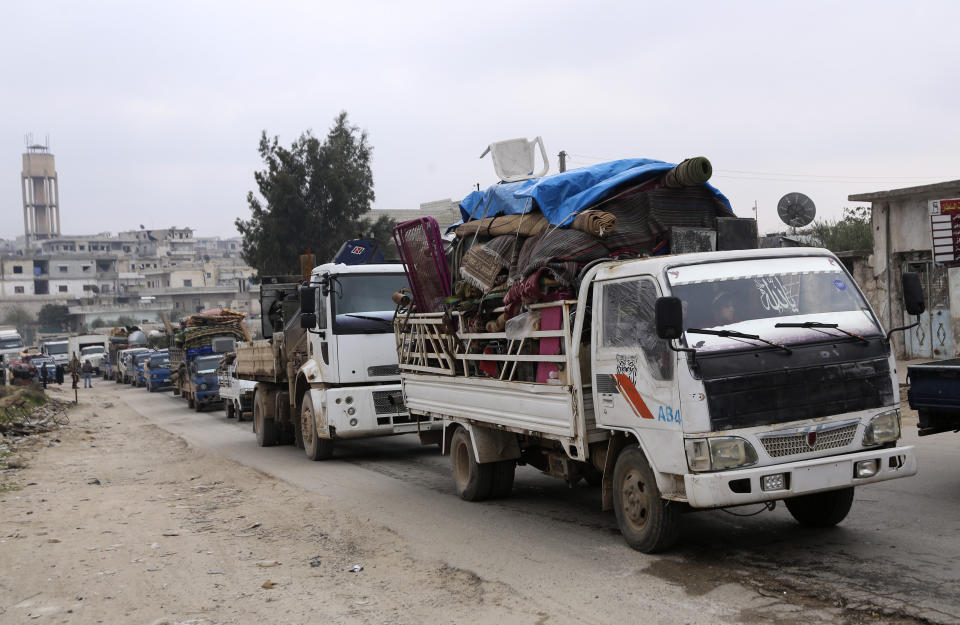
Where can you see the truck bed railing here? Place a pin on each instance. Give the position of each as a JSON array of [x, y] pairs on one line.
[[426, 345]]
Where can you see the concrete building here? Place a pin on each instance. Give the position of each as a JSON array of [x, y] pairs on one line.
[[904, 222], [446, 212], [41, 194]]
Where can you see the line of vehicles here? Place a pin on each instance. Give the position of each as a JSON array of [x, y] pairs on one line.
[[664, 410]]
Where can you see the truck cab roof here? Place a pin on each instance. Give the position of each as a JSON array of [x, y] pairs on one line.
[[659, 264], [341, 269]]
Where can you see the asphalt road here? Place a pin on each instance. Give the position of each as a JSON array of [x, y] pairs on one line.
[[896, 553]]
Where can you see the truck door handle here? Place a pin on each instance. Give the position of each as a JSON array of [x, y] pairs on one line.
[[607, 402]]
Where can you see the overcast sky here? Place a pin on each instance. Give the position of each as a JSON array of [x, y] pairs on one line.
[[154, 110]]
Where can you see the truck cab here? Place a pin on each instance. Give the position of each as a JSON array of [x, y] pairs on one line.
[[11, 344], [203, 378], [125, 364], [332, 372], [156, 371], [58, 349]]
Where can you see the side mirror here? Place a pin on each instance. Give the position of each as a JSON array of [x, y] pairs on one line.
[[308, 320], [669, 317], [325, 286], [308, 300], [913, 300]]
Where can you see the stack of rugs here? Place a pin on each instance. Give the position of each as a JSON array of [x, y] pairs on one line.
[[522, 243], [202, 327]]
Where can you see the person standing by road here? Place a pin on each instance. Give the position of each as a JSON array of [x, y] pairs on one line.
[[87, 370], [44, 374]]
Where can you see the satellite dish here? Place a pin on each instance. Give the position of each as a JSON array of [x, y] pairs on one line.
[[796, 210]]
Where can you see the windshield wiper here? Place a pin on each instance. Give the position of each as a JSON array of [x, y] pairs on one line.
[[817, 324], [386, 321], [739, 335]]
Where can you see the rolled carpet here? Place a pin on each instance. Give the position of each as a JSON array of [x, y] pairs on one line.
[[525, 225], [690, 173], [596, 222]]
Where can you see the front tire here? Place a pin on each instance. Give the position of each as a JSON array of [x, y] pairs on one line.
[[315, 447], [474, 481], [821, 509], [228, 408], [648, 522]]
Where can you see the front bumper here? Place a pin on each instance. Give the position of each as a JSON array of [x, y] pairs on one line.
[[712, 490]]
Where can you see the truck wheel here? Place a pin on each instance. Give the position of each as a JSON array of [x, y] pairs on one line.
[[176, 391], [315, 447], [821, 509], [648, 522], [503, 473], [265, 428], [228, 408], [190, 401], [197, 405], [474, 481]]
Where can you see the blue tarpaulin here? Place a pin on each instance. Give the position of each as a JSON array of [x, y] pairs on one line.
[[561, 196]]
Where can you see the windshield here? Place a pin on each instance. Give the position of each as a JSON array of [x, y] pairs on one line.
[[753, 296], [56, 348], [363, 304], [139, 358], [14, 343], [207, 364], [159, 363], [93, 349]]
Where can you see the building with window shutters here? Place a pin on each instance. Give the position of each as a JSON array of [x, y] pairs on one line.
[[917, 229]]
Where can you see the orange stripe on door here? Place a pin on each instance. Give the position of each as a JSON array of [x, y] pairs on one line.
[[628, 390]]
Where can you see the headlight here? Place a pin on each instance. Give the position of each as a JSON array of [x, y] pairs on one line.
[[883, 428], [719, 453]]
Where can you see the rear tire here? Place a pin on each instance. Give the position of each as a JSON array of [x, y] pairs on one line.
[[474, 481], [503, 474], [266, 428], [821, 509], [648, 522], [315, 447]]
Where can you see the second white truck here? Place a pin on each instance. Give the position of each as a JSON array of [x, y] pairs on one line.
[[327, 369]]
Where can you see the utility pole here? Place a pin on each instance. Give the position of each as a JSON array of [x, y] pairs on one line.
[[563, 160]]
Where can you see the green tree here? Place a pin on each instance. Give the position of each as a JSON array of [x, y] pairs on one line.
[[311, 196], [851, 233], [19, 318], [54, 317]]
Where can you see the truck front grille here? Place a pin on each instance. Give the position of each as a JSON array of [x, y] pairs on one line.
[[796, 394], [793, 443], [382, 370], [388, 402]]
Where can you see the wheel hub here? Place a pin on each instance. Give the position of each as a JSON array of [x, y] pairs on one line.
[[306, 425], [635, 499]]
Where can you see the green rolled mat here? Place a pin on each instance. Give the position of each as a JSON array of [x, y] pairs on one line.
[[690, 173]]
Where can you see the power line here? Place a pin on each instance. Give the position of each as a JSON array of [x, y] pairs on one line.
[[744, 174]]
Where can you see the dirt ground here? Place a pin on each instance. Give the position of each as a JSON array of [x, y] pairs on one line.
[[112, 520]]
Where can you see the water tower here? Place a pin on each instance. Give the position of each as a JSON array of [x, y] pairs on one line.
[[41, 195]]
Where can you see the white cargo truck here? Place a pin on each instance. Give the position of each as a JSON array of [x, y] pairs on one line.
[[781, 385], [89, 347], [327, 370]]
